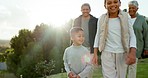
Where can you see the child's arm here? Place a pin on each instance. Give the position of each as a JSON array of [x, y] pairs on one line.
[[96, 44], [131, 57], [86, 72], [70, 74], [95, 57], [66, 66]]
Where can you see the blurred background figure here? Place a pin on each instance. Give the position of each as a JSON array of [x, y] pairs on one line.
[[141, 31]]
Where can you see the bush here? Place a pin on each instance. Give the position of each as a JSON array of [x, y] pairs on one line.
[[44, 68]]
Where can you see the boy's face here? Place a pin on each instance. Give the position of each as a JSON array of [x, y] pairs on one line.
[[132, 10], [112, 6], [85, 11], [78, 38]]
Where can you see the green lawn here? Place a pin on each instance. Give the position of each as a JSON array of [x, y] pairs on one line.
[[142, 71]]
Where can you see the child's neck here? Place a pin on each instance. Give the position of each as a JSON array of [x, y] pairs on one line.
[[113, 15], [76, 44]]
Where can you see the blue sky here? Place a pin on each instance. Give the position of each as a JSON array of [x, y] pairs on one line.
[[19, 14]]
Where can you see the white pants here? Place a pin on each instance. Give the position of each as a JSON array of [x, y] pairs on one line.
[[113, 65], [132, 70]]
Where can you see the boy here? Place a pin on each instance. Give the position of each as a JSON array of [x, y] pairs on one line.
[[116, 40], [77, 59]]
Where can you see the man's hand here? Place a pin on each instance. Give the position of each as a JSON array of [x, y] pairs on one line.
[[145, 52], [131, 57]]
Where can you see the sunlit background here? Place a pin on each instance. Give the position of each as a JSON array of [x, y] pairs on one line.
[[19, 14]]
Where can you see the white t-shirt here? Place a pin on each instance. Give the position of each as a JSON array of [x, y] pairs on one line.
[[133, 20], [113, 43]]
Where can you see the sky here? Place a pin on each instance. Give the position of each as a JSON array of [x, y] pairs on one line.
[[19, 14]]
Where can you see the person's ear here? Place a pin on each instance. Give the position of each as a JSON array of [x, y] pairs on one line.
[[137, 9], [81, 10], [89, 10], [71, 38]]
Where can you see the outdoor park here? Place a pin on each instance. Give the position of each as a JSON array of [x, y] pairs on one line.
[[35, 33], [39, 53]]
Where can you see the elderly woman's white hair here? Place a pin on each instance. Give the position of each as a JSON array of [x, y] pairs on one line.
[[133, 2]]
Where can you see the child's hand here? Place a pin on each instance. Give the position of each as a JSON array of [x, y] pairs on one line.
[[131, 57], [71, 75], [78, 76], [95, 60]]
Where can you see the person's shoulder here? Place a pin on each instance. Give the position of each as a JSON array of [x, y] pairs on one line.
[[85, 49], [93, 17], [68, 48], [102, 17], [79, 17], [141, 16], [124, 14]]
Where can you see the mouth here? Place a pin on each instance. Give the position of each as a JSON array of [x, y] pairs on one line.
[[85, 13], [113, 8]]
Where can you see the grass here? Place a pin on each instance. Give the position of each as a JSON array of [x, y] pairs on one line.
[[142, 71], [96, 74]]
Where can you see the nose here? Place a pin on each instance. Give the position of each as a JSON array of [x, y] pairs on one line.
[[85, 10]]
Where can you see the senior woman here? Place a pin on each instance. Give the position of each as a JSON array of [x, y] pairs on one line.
[[141, 31]]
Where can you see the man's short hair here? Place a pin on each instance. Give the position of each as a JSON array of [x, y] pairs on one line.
[[86, 4], [75, 30]]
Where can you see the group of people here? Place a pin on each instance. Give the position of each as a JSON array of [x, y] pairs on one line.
[[121, 37]]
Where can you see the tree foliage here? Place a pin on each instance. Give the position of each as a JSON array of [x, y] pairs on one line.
[[32, 48], [18, 44]]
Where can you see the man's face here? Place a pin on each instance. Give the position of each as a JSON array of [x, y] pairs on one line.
[[112, 6], [85, 11], [132, 10]]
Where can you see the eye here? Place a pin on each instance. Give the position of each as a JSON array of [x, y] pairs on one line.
[[115, 1], [108, 3], [79, 35]]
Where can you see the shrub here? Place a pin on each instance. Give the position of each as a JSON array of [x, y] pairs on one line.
[[44, 68]]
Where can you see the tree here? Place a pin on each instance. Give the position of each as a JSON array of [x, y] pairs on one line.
[[32, 48], [18, 44], [45, 35]]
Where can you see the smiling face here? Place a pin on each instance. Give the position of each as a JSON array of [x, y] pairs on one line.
[[132, 10], [112, 6], [77, 38], [85, 9]]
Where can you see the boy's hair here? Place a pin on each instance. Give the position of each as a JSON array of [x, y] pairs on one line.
[[86, 4], [75, 30]]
